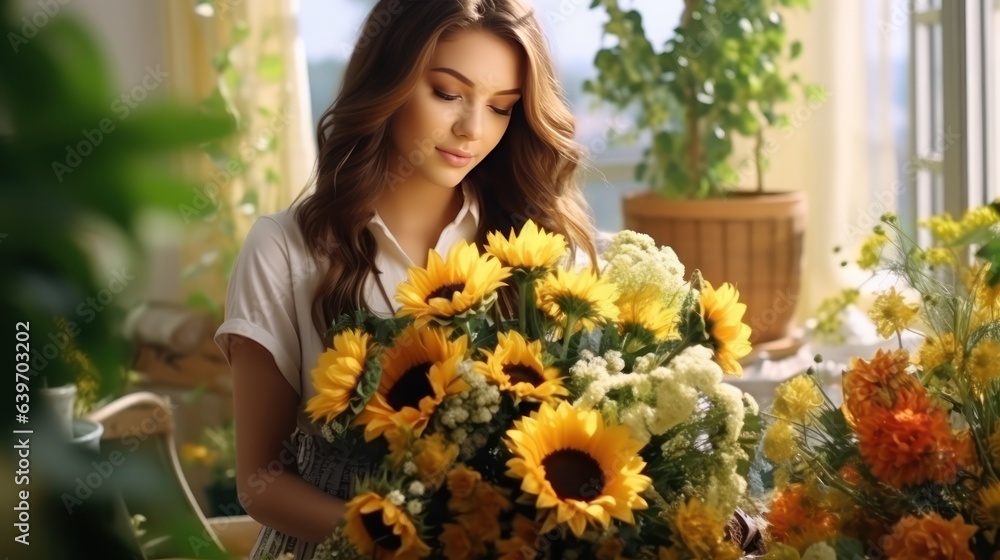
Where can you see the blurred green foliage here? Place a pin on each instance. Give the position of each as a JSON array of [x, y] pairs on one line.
[[719, 75], [57, 106], [74, 153]]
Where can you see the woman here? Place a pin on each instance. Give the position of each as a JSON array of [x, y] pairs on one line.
[[450, 124]]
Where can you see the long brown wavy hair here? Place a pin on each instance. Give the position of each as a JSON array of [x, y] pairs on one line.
[[531, 174]]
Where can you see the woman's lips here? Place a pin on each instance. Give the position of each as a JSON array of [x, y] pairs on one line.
[[453, 159]]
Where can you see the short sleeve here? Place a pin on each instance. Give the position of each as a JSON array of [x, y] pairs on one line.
[[259, 301]]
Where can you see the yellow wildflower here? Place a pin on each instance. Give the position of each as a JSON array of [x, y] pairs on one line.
[[939, 256], [196, 453], [982, 363], [702, 532], [891, 313], [779, 442], [978, 217], [871, 250], [937, 351], [796, 398], [943, 227]]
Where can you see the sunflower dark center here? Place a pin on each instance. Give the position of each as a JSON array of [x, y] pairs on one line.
[[574, 474], [520, 373], [709, 326], [378, 531], [411, 387], [447, 291]]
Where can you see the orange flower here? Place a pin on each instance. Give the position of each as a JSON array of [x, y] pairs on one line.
[[523, 541], [459, 544], [879, 383], [798, 520], [851, 474], [491, 500], [965, 452], [485, 527], [462, 482], [931, 538], [908, 447]]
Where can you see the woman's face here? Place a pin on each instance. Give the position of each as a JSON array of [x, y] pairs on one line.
[[459, 110]]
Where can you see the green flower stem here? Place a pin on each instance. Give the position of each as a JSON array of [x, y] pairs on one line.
[[522, 315], [684, 344], [568, 334]]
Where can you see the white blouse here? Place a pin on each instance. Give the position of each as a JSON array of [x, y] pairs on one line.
[[270, 293]]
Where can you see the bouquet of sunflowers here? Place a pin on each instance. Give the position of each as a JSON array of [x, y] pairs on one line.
[[907, 466], [524, 408]]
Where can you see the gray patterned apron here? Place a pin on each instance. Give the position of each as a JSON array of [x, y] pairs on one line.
[[331, 468]]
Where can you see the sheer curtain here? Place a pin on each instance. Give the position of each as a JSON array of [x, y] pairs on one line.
[[830, 151], [268, 88]]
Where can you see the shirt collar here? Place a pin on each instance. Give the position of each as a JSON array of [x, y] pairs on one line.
[[469, 210]]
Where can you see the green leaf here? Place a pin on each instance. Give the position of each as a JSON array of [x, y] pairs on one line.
[[849, 549], [271, 176], [990, 253], [271, 67], [240, 32], [201, 300], [640, 170], [796, 49]]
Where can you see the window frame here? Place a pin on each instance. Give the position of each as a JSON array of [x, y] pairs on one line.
[[951, 168]]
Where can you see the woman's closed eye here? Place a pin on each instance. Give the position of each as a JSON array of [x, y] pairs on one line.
[[449, 97]]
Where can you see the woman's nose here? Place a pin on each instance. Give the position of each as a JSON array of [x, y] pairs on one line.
[[469, 123]]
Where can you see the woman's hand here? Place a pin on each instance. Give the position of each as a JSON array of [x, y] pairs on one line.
[[267, 479]]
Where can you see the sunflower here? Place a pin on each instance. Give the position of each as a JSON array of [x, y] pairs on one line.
[[376, 526], [336, 374], [531, 249], [576, 467], [577, 300], [452, 286], [418, 371], [727, 334], [516, 366], [642, 312]]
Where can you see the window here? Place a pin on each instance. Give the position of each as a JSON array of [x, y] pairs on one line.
[[573, 30], [953, 112]]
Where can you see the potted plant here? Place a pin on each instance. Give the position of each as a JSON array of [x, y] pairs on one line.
[[718, 77], [73, 387]]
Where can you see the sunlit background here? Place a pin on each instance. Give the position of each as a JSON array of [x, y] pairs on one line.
[[907, 121]]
